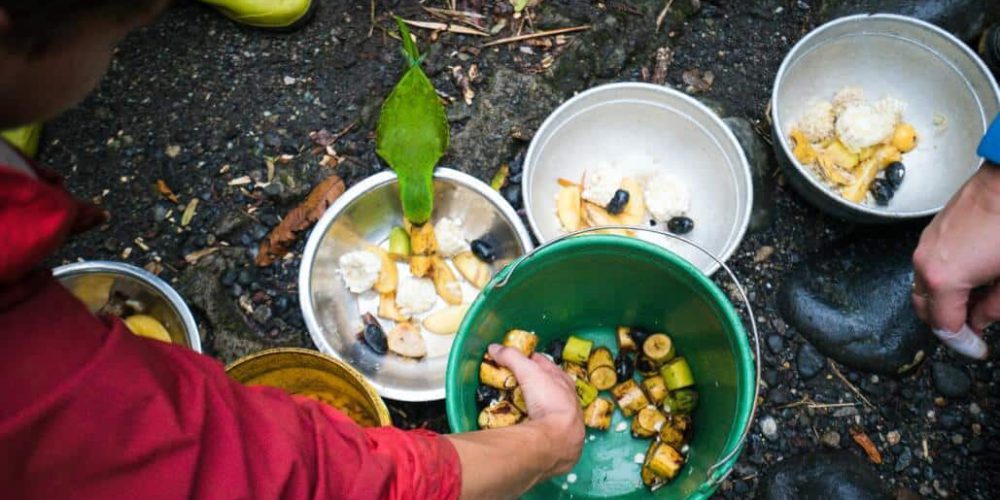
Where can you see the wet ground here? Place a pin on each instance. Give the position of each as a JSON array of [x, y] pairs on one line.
[[199, 103]]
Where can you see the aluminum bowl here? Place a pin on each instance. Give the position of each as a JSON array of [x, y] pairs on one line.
[[93, 282], [367, 212], [916, 62], [642, 127]]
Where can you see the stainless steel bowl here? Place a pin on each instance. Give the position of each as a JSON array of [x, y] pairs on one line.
[[640, 128], [366, 213], [93, 283], [916, 62]]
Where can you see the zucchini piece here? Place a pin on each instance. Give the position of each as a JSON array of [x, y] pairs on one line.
[[681, 402], [658, 348], [502, 414], [521, 340], [625, 341], [577, 350], [585, 392], [597, 415], [664, 461], [671, 436], [655, 389], [601, 369], [496, 376], [576, 371], [517, 397], [629, 397], [399, 243], [648, 422], [677, 374], [650, 479], [680, 422]]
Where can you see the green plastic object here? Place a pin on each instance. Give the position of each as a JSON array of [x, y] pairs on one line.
[[25, 138], [589, 285]]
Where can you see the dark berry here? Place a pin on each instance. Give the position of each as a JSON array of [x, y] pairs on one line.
[[882, 191], [618, 202], [555, 350], [680, 225], [639, 335], [373, 334], [895, 173], [483, 250], [624, 366], [486, 395]]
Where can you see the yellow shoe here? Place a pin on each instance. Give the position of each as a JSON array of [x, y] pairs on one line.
[[272, 14], [24, 138]]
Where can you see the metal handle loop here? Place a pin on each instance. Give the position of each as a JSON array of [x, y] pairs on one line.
[[712, 478]]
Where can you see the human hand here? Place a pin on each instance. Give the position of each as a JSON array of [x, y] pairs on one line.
[[550, 395], [958, 252]]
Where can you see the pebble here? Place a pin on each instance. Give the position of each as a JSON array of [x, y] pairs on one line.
[[775, 343], [831, 439], [950, 419], [852, 303], [769, 427], [261, 314], [245, 277], [847, 411], [974, 409], [904, 459], [809, 361], [893, 438], [825, 474], [950, 381]]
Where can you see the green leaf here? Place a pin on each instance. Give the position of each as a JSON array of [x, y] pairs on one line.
[[519, 5], [409, 48], [412, 136]]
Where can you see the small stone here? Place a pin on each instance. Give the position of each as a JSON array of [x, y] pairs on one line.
[[950, 381], [769, 427], [261, 314], [847, 411], [229, 277], [245, 277], [809, 361], [775, 343], [288, 80], [160, 212], [831, 439], [826, 474], [904, 459], [974, 409], [957, 439], [950, 419], [893, 438]]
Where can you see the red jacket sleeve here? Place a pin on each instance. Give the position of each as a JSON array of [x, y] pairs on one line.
[[137, 418]]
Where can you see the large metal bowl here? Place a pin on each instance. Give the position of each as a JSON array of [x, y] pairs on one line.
[[916, 62], [93, 283], [640, 128], [366, 213]]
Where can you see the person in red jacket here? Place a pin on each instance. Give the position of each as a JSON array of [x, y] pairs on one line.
[[88, 410]]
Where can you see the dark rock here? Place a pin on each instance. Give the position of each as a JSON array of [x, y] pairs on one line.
[[949, 381], [824, 475], [762, 167], [904, 459], [966, 19], [232, 221], [809, 361], [261, 314], [775, 343], [510, 100], [950, 419], [852, 302]]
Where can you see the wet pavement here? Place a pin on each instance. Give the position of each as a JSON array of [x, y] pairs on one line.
[[201, 104]]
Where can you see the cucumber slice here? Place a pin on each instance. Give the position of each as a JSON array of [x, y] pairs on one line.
[[586, 392], [577, 350], [399, 243], [677, 374]]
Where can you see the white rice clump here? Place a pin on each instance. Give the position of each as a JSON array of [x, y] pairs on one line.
[[415, 295], [360, 270], [817, 122], [851, 94], [600, 185], [450, 240], [861, 125], [666, 197]]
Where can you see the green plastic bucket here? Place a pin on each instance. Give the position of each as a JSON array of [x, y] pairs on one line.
[[587, 286]]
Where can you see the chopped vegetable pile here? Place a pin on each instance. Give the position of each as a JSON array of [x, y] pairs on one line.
[[133, 314], [855, 146], [660, 402]]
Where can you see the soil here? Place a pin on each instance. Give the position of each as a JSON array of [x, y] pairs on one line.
[[198, 102]]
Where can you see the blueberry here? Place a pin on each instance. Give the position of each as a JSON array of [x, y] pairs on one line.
[[624, 367], [680, 225], [882, 191], [486, 395], [618, 202], [555, 350], [373, 334], [895, 173], [483, 250], [639, 335]]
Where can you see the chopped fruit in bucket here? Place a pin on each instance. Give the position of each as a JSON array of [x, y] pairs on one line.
[[147, 326], [659, 404]]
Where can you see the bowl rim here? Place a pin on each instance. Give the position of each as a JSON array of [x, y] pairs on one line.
[[173, 298], [350, 196], [381, 410], [745, 407], [793, 55], [728, 135]]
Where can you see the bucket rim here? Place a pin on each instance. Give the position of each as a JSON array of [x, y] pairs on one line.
[[745, 361]]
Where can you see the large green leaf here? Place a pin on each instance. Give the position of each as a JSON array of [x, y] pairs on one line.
[[413, 135]]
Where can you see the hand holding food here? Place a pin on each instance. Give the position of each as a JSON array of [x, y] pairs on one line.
[[958, 252]]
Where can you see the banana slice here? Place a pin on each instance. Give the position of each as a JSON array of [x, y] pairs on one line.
[[405, 339], [147, 326], [388, 276], [635, 210], [475, 271], [446, 321], [568, 207], [445, 283]]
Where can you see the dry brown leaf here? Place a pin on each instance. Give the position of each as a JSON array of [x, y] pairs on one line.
[[194, 257], [300, 218], [866, 444], [763, 254], [189, 212], [698, 80], [663, 57], [165, 190]]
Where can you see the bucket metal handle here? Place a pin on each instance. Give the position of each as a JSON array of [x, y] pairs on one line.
[[714, 478]]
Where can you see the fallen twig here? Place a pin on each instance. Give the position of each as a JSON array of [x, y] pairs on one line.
[[540, 34], [852, 387], [451, 28], [663, 14]]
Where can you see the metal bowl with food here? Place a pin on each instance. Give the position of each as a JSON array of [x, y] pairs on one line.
[[143, 301], [398, 331], [852, 85], [302, 372], [637, 154]]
